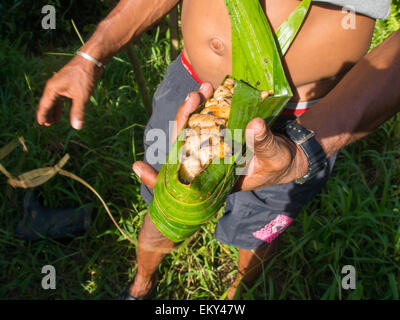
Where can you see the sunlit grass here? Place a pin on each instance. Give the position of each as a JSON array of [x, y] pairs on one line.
[[355, 220]]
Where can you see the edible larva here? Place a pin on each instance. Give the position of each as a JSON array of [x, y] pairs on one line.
[[205, 155], [205, 120], [194, 143], [229, 83], [211, 102], [220, 111], [212, 131], [189, 169], [222, 93], [203, 138], [222, 150]]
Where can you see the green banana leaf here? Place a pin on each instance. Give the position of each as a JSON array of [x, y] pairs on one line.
[[288, 30], [177, 209]]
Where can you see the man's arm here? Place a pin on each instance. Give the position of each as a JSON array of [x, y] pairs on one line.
[[76, 80], [366, 97], [125, 23]]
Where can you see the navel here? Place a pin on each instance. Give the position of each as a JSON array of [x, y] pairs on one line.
[[217, 45]]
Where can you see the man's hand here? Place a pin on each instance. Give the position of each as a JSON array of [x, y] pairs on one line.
[[146, 172], [75, 81], [276, 159]]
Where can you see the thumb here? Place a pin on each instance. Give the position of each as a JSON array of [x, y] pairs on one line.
[[77, 114], [260, 139], [191, 103], [146, 173]]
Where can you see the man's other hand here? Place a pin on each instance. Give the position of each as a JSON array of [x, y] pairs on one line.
[[75, 81]]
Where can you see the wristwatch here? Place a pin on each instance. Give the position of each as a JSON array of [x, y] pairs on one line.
[[306, 140]]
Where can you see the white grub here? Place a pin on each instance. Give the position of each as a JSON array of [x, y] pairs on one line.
[[225, 102], [187, 132], [222, 93], [205, 155], [264, 94], [220, 111], [210, 102], [211, 131], [229, 83], [196, 131], [222, 150], [190, 168], [205, 120], [203, 139], [195, 142]]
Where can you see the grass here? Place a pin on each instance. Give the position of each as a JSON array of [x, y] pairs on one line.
[[354, 221]]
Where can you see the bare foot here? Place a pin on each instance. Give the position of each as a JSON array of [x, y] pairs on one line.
[[141, 287]]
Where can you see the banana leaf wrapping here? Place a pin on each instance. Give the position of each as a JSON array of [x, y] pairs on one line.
[[178, 210]]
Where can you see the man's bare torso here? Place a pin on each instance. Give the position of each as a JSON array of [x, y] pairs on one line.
[[320, 55]]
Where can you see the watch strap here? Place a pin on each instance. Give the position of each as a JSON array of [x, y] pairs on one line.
[[316, 159], [312, 149]]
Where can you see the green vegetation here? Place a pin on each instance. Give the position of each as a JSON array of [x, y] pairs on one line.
[[355, 220]]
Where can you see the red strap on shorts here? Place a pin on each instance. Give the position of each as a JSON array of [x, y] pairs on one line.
[[292, 112], [189, 68]]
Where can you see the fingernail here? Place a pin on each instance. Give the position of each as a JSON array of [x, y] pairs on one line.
[[261, 136], [202, 86], [77, 124], [137, 170], [187, 97]]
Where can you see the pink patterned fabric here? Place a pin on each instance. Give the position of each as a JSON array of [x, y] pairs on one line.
[[273, 229]]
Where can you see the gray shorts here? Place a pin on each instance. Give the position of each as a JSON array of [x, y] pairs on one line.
[[251, 218]]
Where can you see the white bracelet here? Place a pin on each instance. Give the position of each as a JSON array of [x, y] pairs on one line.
[[90, 58]]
